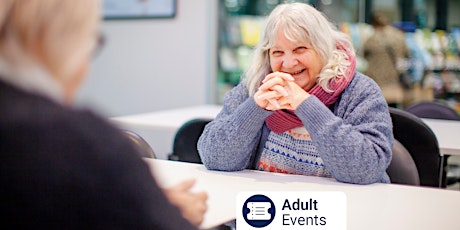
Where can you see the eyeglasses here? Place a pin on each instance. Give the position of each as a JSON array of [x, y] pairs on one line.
[[100, 42]]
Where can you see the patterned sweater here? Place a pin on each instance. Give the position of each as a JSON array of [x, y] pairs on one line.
[[292, 152], [353, 137]]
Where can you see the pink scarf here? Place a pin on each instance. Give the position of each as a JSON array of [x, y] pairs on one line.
[[283, 120]]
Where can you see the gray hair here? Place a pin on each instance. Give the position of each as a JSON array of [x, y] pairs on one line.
[[301, 22], [51, 33]]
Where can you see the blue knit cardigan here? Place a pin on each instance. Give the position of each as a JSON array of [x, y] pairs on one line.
[[353, 136]]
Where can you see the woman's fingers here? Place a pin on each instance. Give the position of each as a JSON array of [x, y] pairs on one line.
[[268, 95], [269, 98], [272, 82], [274, 103], [285, 103], [274, 93], [280, 89], [276, 78], [284, 76]]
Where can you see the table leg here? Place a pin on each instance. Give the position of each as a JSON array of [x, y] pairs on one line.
[[441, 173]]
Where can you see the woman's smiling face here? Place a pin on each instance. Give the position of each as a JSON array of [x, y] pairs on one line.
[[296, 58]]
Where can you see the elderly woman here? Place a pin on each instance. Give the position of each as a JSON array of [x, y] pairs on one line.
[[302, 108], [65, 168]]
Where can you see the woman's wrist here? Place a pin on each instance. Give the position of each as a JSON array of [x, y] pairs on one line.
[[299, 99]]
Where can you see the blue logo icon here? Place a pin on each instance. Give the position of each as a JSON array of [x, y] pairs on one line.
[[259, 211]]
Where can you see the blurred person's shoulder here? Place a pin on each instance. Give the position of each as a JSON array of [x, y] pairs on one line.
[[47, 126]]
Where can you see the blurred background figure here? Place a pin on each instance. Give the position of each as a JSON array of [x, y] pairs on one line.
[[62, 167], [382, 50]]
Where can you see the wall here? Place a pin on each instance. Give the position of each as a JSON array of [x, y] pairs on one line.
[[452, 13], [154, 64]]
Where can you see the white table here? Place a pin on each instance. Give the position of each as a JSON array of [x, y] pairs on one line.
[[448, 134], [159, 128], [375, 206]]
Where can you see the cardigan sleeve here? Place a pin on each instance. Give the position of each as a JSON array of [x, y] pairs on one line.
[[230, 141], [355, 140]]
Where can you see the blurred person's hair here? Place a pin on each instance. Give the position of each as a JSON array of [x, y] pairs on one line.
[[51, 35], [302, 23], [378, 20]]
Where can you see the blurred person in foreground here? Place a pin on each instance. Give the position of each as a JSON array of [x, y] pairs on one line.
[[382, 50], [301, 107], [61, 167]]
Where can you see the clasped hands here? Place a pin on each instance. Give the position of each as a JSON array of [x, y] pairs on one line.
[[279, 91]]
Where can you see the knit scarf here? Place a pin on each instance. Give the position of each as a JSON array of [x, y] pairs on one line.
[[283, 120]]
